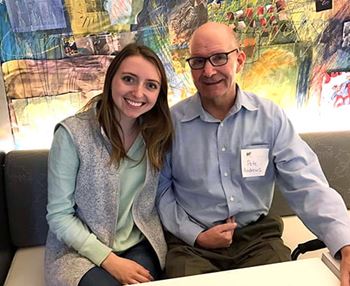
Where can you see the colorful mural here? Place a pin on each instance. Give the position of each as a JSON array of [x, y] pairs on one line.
[[54, 54]]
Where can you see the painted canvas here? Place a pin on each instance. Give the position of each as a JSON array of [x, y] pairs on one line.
[[297, 55], [336, 89], [34, 15]]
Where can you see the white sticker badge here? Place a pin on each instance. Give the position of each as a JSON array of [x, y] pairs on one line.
[[254, 162]]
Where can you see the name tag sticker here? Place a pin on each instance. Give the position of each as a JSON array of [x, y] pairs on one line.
[[254, 162]]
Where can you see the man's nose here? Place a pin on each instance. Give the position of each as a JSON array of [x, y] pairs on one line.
[[208, 69]]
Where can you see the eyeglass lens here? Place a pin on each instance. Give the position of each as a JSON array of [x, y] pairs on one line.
[[219, 59]]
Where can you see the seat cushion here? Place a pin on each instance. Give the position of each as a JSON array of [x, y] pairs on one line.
[[295, 232], [27, 267]]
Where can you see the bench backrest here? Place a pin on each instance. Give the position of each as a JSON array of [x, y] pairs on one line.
[[25, 183], [25, 177], [7, 250], [333, 151]]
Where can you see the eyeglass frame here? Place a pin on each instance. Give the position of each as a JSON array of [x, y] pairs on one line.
[[209, 59]]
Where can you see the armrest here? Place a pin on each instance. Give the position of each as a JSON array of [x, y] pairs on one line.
[[310, 245]]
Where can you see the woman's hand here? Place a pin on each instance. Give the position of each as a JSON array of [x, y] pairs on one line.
[[126, 271]]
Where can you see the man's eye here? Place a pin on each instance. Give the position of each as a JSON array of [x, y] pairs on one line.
[[198, 61], [218, 57]]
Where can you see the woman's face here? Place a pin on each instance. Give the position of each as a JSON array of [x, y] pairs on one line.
[[135, 87]]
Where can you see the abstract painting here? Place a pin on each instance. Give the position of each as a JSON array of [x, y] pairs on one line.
[[54, 55]]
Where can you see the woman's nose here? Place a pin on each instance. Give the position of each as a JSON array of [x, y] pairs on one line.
[[138, 91]]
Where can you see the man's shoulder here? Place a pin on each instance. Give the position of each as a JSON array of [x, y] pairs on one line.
[[259, 101], [180, 108], [257, 98]]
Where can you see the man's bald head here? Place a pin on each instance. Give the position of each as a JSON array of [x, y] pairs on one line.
[[214, 29]]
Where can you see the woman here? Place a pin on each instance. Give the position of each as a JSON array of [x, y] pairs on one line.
[[102, 177]]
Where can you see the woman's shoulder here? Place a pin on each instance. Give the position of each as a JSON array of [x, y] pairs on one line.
[[79, 124], [81, 117]]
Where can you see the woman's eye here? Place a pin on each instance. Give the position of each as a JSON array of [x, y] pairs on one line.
[[152, 85], [128, 79]]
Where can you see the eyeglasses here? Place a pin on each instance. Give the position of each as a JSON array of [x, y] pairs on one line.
[[216, 60]]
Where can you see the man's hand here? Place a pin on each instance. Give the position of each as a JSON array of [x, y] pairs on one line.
[[126, 271], [345, 266], [219, 236]]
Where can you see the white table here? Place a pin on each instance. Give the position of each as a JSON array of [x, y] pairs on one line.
[[303, 272]]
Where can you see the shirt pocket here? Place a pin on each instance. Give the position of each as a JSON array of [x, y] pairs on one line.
[[255, 161]]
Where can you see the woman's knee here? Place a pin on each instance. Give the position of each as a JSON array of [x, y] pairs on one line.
[[98, 274]]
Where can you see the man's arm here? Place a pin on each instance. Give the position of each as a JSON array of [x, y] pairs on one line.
[[173, 216], [302, 182]]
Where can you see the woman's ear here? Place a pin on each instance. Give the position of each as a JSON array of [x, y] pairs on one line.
[[240, 61]]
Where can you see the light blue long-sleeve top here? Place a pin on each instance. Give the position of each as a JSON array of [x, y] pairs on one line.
[[62, 170], [218, 169]]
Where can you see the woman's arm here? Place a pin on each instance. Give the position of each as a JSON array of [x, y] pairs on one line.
[[63, 167]]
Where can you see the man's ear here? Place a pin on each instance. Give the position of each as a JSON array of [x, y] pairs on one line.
[[240, 61]]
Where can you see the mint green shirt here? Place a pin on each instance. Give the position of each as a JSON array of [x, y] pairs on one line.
[[63, 166]]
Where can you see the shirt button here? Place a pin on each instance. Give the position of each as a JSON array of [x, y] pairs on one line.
[[232, 198], [223, 149], [225, 174], [221, 124]]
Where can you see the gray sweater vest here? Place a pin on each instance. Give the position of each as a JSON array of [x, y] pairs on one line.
[[97, 202]]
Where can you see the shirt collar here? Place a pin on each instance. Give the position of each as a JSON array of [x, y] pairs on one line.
[[195, 109], [243, 99]]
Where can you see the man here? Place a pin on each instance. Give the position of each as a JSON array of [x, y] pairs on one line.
[[229, 148]]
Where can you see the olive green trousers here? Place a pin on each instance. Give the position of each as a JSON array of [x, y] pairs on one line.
[[255, 244]]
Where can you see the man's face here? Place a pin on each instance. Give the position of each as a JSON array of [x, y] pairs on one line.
[[216, 81]]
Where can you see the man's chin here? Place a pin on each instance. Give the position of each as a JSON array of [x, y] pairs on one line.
[[212, 90], [213, 94]]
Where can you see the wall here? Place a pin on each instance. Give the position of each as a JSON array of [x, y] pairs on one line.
[[54, 54], [6, 139]]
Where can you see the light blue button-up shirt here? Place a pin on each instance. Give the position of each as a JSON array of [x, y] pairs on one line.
[[207, 177]]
